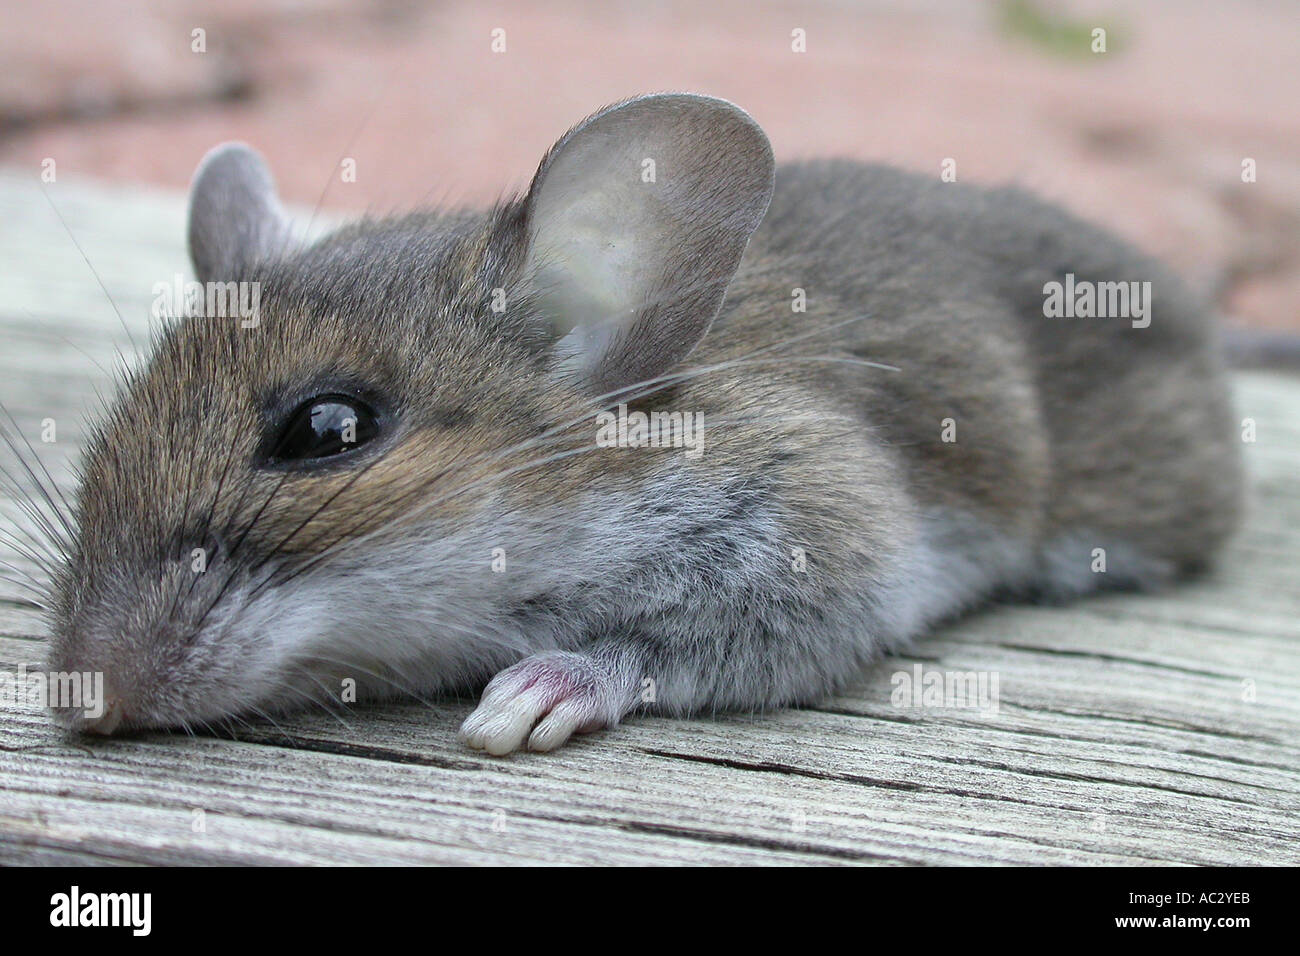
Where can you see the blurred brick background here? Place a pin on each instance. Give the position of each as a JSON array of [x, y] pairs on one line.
[[1148, 137]]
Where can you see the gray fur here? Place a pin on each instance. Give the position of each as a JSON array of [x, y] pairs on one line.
[[826, 521], [235, 216]]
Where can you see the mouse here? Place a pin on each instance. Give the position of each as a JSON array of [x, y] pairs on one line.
[[676, 430]]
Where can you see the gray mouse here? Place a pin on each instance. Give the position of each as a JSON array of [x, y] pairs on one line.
[[677, 430]]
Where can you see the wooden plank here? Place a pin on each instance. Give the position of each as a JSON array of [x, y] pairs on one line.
[[1130, 729]]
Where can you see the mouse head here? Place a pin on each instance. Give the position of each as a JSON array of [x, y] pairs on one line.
[[322, 487]]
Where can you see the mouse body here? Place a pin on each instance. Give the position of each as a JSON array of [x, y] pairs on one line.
[[416, 474]]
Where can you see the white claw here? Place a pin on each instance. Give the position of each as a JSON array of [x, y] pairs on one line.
[[561, 690]]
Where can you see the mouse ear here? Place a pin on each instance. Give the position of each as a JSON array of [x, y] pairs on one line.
[[235, 215], [636, 222]]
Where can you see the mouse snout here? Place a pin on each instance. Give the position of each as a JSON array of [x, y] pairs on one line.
[[127, 652], [102, 680], [103, 716], [111, 718], [85, 699]]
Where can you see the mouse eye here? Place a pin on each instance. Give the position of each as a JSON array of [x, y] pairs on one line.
[[325, 426]]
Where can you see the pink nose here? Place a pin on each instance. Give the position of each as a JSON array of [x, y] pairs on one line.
[[108, 721]]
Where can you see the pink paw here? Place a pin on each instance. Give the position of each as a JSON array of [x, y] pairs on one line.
[[545, 698]]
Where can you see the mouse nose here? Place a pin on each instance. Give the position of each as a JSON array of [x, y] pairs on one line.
[[103, 719], [107, 722]]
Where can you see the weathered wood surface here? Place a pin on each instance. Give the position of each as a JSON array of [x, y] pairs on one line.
[[1131, 729]]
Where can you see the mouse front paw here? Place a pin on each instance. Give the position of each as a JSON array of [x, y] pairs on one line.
[[544, 699]]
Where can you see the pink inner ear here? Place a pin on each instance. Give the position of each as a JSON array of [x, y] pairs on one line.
[[635, 258]]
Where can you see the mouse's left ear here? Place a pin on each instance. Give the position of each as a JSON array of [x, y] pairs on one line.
[[636, 222], [236, 218]]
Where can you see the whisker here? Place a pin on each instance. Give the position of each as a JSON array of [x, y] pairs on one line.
[[40, 486], [36, 530], [35, 590], [71, 344], [211, 513], [86, 259], [351, 665], [311, 517], [345, 538], [45, 564], [258, 711], [321, 701], [352, 141]]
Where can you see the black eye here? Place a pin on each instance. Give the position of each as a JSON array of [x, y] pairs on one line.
[[325, 426]]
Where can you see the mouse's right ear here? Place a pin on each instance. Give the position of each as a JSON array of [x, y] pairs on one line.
[[235, 215], [636, 222]]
